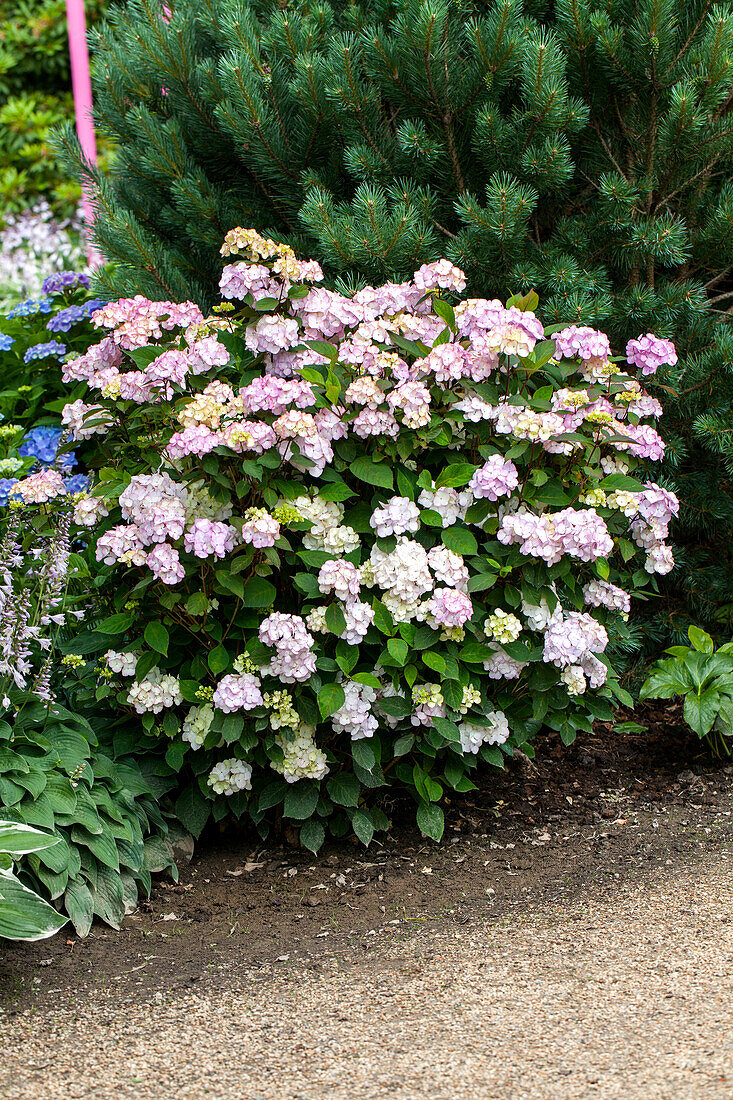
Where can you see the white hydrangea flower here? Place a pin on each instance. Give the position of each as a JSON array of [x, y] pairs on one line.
[[121, 663], [574, 679], [230, 776], [494, 732], [302, 759], [502, 626], [197, 724], [155, 693]]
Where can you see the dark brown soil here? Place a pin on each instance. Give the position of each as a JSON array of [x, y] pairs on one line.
[[610, 809]]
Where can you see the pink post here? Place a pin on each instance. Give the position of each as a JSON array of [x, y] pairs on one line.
[[81, 83]]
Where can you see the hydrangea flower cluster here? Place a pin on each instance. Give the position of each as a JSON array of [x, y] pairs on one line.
[[389, 527]]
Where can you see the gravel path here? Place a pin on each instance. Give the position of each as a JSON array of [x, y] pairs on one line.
[[629, 997]]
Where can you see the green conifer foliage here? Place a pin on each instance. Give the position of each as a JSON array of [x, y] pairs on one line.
[[582, 148]]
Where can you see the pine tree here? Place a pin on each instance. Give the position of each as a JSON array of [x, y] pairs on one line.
[[582, 148]]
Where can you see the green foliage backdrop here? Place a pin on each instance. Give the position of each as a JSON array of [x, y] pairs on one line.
[[582, 148]]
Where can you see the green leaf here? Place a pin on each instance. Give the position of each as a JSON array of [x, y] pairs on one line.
[[382, 618], [701, 640], [344, 789], [301, 800], [218, 660], [366, 469], [460, 473], [445, 311], [12, 762], [258, 593], [363, 826], [335, 620], [192, 809], [369, 679], [115, 624], [398, 650], [312, 835], [157, 637], [434, 660], [621, 481], [23, 914], [363, 753], [475, 653], [459, 540], [337, 490], [79, 904], [430, 820], [331, 698], [395, 706], [197, 603], [101, 845], [700, 711]]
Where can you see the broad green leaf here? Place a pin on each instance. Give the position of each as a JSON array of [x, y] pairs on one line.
[[344, 789], [398, 650], [312, 835], [301, 800], [157, 637], [430, 820], [700, 639], [115, 624], [192, 809], [331, 698], [258, 593], [363, 826], [459, 540], [218, 660], [366, 469], [460, 473], [79, 904]]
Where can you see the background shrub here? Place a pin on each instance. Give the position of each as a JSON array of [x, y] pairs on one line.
[[35, 96], [338, 560], [583, 150]]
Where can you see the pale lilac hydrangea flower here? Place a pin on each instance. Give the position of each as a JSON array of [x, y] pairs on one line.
[[208, 538], [237, 692], [397, 517], [498, 477], [650, 352]]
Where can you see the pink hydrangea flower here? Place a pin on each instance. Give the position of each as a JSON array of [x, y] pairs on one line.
[[237, 692], [209, 538], [164, 562], [583, 342], [650, 352], [498, 477], [450, 607]]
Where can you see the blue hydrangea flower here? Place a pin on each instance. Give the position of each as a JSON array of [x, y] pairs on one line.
[[6, 484], [42, 351], [42, 443], [6, 342], [64, 280], [65, 318], [79, 483], [93, 305], [30, 307]]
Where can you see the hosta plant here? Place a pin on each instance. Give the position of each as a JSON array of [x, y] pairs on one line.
[[57, 772], [703, 676], [361, 542], [23, 914]]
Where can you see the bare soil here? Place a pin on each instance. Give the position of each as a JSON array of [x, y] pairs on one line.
[[614, 809]]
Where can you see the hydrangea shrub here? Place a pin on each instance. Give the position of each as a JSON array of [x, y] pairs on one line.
[[362, 542]]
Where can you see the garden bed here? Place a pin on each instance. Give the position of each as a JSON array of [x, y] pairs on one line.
[[613, 808]]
